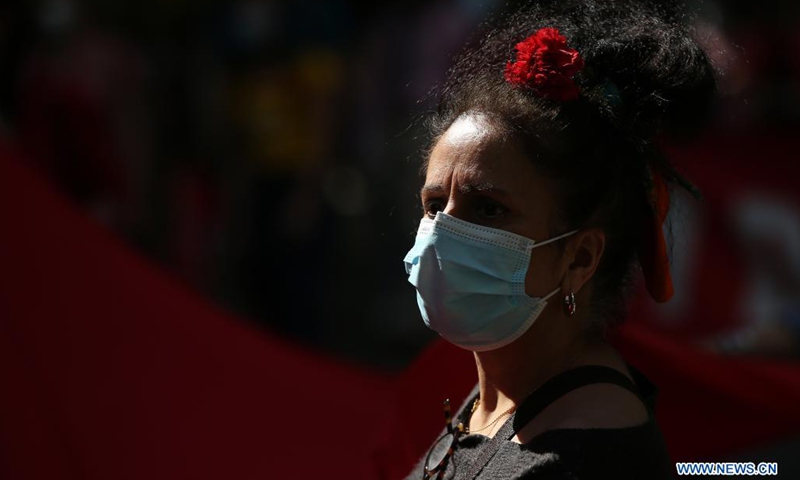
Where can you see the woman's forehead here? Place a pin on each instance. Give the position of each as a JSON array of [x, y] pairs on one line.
[[473, 151], [470, 127]]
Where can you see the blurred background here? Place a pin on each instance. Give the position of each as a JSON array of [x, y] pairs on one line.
[[266, 154], [262, 151]]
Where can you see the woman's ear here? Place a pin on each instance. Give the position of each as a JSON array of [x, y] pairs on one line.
[[583, 254]]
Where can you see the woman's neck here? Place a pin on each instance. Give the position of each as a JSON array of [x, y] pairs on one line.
[[508, 375]]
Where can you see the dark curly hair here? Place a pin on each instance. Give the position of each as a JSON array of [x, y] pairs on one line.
[[644, 77]]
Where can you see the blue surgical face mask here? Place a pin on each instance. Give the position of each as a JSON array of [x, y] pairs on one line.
[[470, 282]]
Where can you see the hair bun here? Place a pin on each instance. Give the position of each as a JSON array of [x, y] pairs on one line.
[[664, 78]]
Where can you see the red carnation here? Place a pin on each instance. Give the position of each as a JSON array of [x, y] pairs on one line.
[[546, 64]]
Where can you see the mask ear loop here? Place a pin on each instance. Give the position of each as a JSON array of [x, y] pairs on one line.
[[549, 295], [555, 239]]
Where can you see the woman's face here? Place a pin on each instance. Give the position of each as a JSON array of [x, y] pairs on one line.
[[476, 174]]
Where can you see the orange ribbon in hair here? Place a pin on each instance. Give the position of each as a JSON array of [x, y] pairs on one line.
[[653, 247]]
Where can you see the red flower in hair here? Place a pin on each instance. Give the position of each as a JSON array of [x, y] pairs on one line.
[[546, 64]]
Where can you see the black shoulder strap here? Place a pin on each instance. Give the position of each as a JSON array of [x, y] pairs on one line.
[[564, 383], [547, 393]]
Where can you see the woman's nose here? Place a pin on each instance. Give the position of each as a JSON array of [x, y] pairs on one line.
[[455, 208], [457, 204]]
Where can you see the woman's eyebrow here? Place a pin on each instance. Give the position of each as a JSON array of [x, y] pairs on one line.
[[466, 189], [432, 189], [482, 188]]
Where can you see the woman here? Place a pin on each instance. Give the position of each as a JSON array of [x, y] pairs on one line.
[[544, 194]]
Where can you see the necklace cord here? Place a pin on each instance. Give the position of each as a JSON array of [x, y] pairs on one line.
[[475, 405]]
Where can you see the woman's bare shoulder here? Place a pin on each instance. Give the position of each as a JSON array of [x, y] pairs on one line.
[[592, 406]]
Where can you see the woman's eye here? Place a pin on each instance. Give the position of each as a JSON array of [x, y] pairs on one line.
[[491, 210], [431, 207]]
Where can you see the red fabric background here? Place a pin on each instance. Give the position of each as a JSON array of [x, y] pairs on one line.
[[111, 369]]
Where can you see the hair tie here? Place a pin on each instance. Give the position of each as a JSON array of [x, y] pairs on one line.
[[546, 65], [653, 246], [612, 94]]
